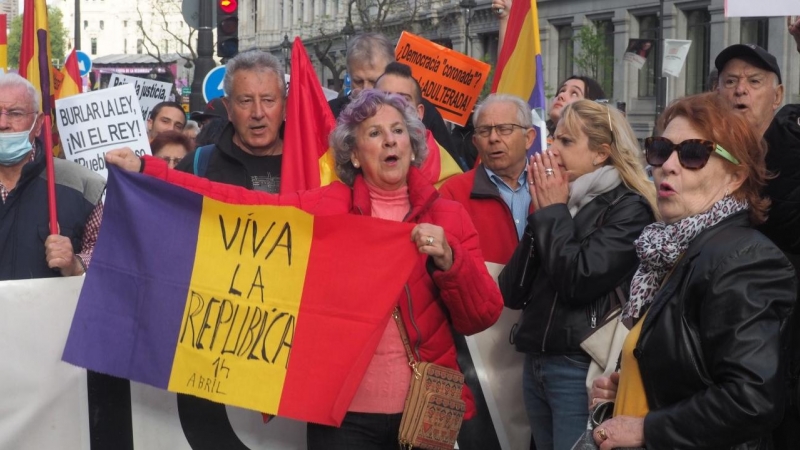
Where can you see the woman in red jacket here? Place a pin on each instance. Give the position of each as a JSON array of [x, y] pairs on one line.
[[378, 144]]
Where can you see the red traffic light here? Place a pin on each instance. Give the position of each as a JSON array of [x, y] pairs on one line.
[[228, 6]]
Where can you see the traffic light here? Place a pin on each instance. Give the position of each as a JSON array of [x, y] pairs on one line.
[[227, 28]]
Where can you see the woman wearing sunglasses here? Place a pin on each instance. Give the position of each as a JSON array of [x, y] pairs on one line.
[[703, 366], [592, 200]]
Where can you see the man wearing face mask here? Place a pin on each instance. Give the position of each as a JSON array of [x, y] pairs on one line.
[[27, 249]]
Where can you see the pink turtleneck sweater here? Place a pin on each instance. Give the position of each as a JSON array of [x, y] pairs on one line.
[[387, 379]]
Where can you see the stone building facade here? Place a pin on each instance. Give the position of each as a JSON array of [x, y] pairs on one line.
[[264, 23]]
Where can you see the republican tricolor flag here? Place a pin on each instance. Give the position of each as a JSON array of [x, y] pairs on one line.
[[519, 68], [3, 44], [263, 307], [34, 31]]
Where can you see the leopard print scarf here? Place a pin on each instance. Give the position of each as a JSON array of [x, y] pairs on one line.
[[660, 246]]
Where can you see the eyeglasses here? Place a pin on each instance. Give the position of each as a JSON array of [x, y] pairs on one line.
[[693, 154], [171, 160], [503, 129], [15, 116]]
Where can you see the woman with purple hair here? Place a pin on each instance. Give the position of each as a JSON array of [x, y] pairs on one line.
[[379, 144]]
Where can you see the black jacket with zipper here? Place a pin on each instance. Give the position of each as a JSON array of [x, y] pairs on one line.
[[711, 349], [565, 269]]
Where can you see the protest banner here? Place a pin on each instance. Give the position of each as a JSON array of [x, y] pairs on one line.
[[637, 51], [47, 403], [448, 79], [150, 92], [750, 8], [251, 308], [675, 52], [92, 123]]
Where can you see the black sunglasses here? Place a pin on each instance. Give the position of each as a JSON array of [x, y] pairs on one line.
[[693, 154]]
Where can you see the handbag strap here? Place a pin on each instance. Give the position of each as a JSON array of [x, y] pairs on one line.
[[406, 341]]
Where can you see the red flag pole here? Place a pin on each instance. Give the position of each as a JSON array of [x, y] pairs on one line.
[[44, 84]]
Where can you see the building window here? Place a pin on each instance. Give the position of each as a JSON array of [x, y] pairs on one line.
[[565, 51], [605, 71], [125, 23], [698, 31], [138, 24], [102, 25], [94, 46], [755, 30], [165, 46], [648, 29], [85, 24], [254, 16], [139, 46], [125, 46]]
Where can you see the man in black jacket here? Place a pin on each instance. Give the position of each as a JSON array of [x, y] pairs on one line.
[[368, 54], [27, 248], [750, 78], [249, 152]]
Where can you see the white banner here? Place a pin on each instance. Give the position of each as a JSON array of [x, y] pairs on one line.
[[149, 92], [93, 123], [753, 8], [46, 403], [675, 52]]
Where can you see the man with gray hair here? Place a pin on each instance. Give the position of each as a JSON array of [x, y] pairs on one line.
[[249, 152], [368, 54], [496, 192], [24, 217]]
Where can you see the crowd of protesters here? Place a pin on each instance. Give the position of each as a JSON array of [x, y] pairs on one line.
[[702, 256]]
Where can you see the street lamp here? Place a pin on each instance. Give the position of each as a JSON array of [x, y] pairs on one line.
[[348, 31], [467, 6], [286, 48]]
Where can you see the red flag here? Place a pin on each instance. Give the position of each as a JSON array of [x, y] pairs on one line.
[[70, 77], [306, 161]]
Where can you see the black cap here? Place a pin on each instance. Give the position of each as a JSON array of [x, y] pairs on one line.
[[214, 109], [758, 55]]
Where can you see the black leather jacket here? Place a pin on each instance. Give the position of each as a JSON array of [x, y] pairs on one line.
[[710, 352], [568, 283]]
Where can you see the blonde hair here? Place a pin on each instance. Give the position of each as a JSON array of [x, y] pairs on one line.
[[592, 119]]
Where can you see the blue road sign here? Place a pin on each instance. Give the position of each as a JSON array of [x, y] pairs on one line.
[[212, 84], [84, 62]]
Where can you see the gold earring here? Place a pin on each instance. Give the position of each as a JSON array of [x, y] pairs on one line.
[[355, 164]]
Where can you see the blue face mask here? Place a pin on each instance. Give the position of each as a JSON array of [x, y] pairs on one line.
[[15, 146]]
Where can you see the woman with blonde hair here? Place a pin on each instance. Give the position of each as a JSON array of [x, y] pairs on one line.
[[592, 200]]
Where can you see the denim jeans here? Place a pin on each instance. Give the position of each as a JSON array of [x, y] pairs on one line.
[[556, 401], [358, 431]]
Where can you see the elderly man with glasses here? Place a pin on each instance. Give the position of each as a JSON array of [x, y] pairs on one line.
[[496, 193], [27, 249]]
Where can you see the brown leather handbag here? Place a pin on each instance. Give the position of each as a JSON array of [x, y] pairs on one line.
[[434, 409]]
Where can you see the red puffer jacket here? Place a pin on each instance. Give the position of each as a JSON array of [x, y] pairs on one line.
[[471, 297]]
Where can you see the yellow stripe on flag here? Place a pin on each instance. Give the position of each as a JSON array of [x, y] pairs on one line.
[[243, 304]]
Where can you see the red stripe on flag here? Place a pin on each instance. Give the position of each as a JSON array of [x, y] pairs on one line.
[[343, 347], [28, 44], [3, 26], [516, 18], [309, 121]]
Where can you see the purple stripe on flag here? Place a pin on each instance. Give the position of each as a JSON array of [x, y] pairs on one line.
[[127, 289], [538, 100]]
